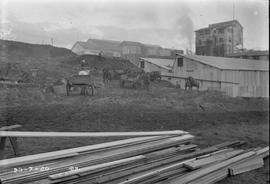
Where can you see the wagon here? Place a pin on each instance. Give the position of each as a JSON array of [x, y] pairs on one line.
[[85, 82], [134, 81]]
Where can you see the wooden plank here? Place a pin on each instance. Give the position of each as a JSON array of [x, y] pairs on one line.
[[86, 134], [150, 161], [65, 153], [40, 175], [101, 176], [195, 164], [221, 173], [164, 176], [5, 128], [214, 153], [165, 169], [211, 178], [204, 171], [108, 177], [146, 165], [99, 157], [97, 167], [155, 173], [248, 165], [264, 152]]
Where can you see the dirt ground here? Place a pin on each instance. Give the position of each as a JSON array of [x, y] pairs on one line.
[[211, 116]]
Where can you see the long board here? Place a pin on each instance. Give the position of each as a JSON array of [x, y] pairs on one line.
[[86, 134], [63, 153]]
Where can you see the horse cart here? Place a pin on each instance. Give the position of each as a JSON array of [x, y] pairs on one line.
[[85, 82], [133, 81], [136, 81]]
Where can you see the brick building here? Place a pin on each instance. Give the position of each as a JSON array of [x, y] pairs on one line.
[[220, 39]]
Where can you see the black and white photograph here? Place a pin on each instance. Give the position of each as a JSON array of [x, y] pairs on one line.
[[134, 92]]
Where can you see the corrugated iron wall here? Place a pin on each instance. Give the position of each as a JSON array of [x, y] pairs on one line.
[[233, 82]]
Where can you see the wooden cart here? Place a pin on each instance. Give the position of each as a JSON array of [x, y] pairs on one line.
[[85, 82]]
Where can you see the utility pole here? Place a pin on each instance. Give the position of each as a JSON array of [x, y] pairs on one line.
[[233, 11]]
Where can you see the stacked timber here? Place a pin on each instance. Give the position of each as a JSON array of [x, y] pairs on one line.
[[157, 158]]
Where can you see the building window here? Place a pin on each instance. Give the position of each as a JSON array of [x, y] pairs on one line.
[[142, 64], [256, 57], [221, 40], [180, 62], [221, 31]]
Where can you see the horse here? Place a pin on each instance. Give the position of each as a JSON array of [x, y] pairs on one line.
[[191, 82], [107, 76], [145, 77], [141, 79], [155, 76]]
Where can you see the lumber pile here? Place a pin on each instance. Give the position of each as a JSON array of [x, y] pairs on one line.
[[159, 158]]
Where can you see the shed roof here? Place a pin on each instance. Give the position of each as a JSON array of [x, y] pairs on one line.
[[220, 25], [226, 23], [152, 46], [164, 63], [230, 63], [130, 43], [251, 53]]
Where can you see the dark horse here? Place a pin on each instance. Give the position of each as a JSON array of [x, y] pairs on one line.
[[137, 80], [107, 76], [191, 82], [155, 76]]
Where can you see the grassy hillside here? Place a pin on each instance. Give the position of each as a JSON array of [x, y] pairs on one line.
[[19, 59], [51, 63], [42, 66]]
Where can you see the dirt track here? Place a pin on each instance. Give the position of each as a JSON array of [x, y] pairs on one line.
[[162, 108]]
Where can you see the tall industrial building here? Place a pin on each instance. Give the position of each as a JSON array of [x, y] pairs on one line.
[[220, 39]]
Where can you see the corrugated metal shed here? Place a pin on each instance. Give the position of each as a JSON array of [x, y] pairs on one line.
[[230, 63], [164, 63]]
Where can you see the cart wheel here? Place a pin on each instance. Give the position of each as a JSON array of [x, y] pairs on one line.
[[67, 89], [92, 90]]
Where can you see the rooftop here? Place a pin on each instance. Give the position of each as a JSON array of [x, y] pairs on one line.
[[100, 44], [224, 63], [220, 24], [251, 53]]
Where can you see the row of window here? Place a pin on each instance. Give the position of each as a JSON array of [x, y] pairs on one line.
[[220, 31]]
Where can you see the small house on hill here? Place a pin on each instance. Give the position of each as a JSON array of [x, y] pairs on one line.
[[236, 77], [96, 47], [131, 48]]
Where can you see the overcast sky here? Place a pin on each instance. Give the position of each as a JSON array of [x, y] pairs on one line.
[[169, 23]]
